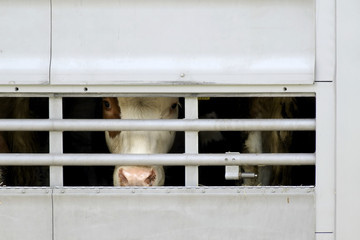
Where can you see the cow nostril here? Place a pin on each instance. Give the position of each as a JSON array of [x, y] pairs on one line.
[[123, 180], [151, 178]]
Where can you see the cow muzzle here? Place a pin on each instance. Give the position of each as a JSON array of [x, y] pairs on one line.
[[137, 176]]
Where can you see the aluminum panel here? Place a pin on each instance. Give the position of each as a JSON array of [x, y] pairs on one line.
[[24, 41], [184, 213], [325, 40], [183, 42], [347, 120], [325, 158], [25, 213]]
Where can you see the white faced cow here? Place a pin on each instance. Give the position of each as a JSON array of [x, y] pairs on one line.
[[139, 142], [270, 141]]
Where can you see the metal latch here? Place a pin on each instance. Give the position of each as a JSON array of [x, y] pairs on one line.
[[234, 173]]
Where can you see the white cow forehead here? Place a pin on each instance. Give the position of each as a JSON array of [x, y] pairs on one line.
[[144, 108], [146, 101]]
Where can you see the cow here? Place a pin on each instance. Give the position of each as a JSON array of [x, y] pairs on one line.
[[139, 142], [19, 142]]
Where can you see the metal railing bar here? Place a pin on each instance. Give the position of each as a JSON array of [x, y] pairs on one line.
[[191, 141], [158, 124], [56, 141], [12, 159]]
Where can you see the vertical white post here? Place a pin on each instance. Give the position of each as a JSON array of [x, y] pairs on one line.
[[325, 160], [56, 141], [347, 119], [325, 118], [191, 141]]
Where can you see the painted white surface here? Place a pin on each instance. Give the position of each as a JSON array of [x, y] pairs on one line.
[[24, 41], [185, 213], [160, 41], [348, 119], [325, 40], [325, 158], [25, 214], [157, 213]]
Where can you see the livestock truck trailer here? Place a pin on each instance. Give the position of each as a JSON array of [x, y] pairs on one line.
[[169, 119]]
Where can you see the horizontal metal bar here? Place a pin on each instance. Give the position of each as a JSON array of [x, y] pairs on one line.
[[161, 125], [191, 89], [156, 94], [11, 159]]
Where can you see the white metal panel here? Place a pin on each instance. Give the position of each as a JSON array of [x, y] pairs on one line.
[[24, 41], [184, 213], [325, 40], [347, 120], [325, 236], [25, 213], [325, 158], [160, 41]]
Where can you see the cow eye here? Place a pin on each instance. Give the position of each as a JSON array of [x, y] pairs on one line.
[[174, 106], [107, 104]]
